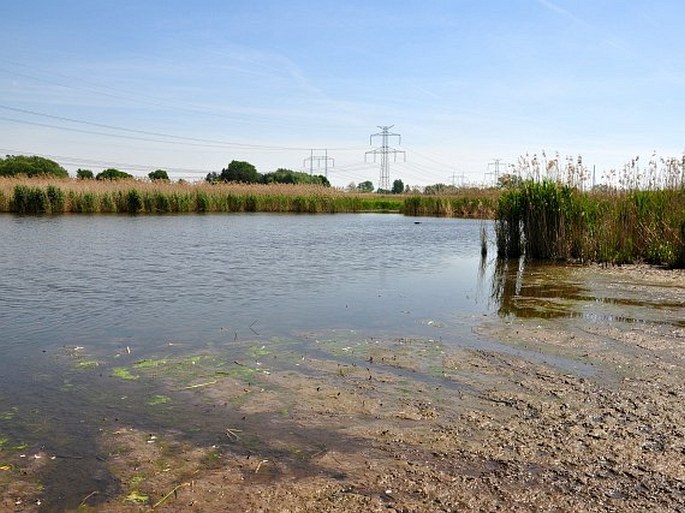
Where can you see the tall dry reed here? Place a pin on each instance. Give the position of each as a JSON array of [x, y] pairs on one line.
[[54, 196], [26, 196]]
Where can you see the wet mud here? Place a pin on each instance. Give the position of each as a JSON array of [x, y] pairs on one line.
[[569, 397]]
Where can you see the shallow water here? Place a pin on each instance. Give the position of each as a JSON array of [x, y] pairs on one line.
[[140, 280], [112, 291], [106, 286]]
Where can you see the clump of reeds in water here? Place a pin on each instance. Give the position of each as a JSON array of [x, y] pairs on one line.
[[468, 203], [642, 219]]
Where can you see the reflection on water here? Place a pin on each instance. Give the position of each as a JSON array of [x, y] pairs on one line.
[[546, 291], [532, 290]]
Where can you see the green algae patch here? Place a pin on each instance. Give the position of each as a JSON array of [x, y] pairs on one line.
[[123, 373], [150, 364], [8, 415], [188, 372], [259, 352], [158, 399], [137, 497], [87, 364]]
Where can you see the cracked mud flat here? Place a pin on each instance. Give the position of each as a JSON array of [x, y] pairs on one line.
[[583, 411]]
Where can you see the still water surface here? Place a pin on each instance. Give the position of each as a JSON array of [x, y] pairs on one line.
[[135, 286], [140, 280], [117, 290]]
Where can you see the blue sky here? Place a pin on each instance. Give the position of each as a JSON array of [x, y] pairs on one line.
[[190, 86]]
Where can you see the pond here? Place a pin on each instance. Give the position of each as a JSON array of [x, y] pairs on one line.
[[139, 281], [82, 292], [134, 347]]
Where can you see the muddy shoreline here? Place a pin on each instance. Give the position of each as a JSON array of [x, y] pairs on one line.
[[583, 411]]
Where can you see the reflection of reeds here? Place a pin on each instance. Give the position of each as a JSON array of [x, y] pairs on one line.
[[506, 281], [483, 241]]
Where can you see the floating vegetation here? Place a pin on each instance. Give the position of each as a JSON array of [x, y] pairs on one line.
[[149, 364], [123, 373], [87, 364], [8, 415], [159, 399], [137, 497]]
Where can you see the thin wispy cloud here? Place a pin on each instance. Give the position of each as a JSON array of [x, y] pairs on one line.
[[556, 8], [463, 82]]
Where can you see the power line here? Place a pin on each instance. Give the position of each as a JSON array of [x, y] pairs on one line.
[[384, 151], [80, 161], [193, 141]]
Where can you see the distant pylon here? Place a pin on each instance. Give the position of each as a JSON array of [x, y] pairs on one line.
[[318, 158], [384, 151], [497, 165]]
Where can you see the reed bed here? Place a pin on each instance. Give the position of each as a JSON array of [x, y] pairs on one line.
[[54, 196], [640, 219], [466, 203], [58, 196]]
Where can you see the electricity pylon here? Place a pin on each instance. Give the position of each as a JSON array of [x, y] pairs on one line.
[[318, 158], [384, 151], [497, 165]]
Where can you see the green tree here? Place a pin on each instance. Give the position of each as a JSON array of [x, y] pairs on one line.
[[113, 174], [31, 166], [440, 188], [366, 186], [397, 187], [84, 174], [321, 180], [158, 174], [212, 177], [282, 175], [240, 171]]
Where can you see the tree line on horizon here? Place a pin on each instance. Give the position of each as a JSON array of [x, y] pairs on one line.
[[236, 171], [32, 166], [244, 172]]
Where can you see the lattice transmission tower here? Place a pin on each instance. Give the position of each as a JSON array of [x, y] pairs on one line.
[[318, 159], [384, 150]]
